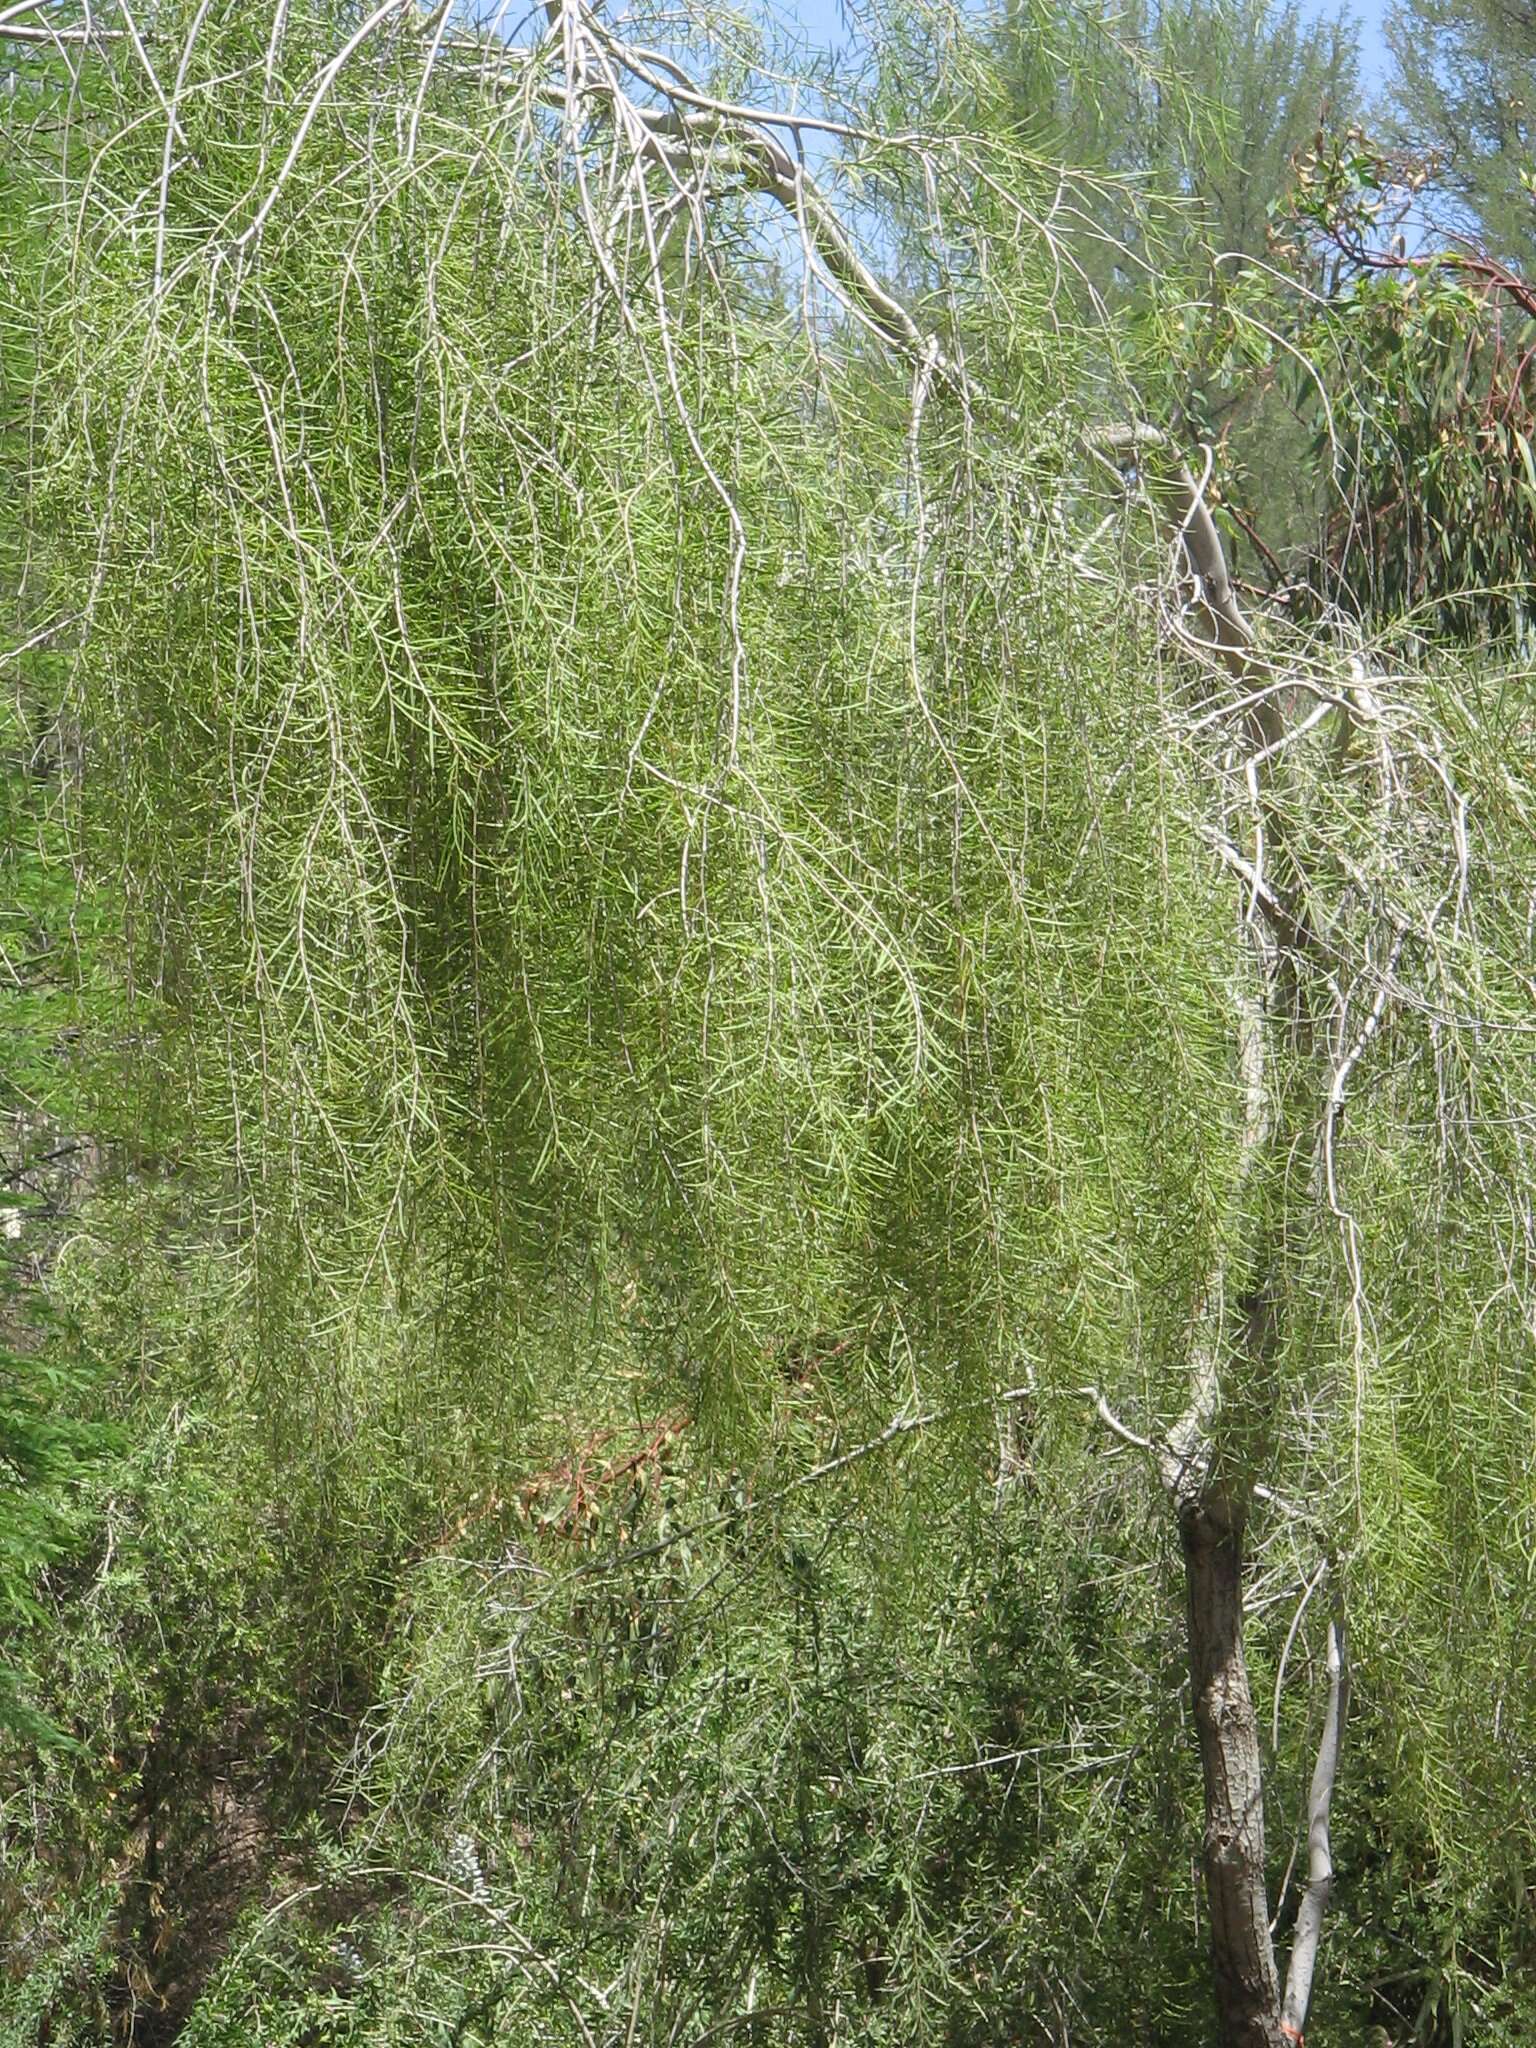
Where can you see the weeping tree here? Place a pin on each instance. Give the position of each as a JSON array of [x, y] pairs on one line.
[[688, 823]]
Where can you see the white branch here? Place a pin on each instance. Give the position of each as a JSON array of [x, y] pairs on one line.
[[1314, 1903]]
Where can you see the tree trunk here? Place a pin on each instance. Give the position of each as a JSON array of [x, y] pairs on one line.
[[1242, 1954]]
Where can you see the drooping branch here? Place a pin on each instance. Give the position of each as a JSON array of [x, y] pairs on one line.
[[693, 128], [16, 28], [682, 137], [1239, 1329]]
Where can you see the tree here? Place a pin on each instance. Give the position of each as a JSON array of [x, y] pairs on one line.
[[1195, 115], [678, 855], [1205, 106], [1414, 373], [1462, 95]]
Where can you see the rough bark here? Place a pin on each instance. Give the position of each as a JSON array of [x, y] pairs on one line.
[[1242, 1954]]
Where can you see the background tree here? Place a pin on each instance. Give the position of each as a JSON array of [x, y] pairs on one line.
[[1194, 114], [1203, 105], [1464, 92], [1414, 372]]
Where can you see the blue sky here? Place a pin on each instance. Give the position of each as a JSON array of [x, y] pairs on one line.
[[822, 20], [1373, 46]]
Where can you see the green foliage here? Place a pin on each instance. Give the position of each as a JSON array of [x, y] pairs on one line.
[[1194, 115], [1204, 105], [611, 819], [46, 1444], [1418, 395], [608, 832], [668, 923], [1462, 95], [744, 1775]]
